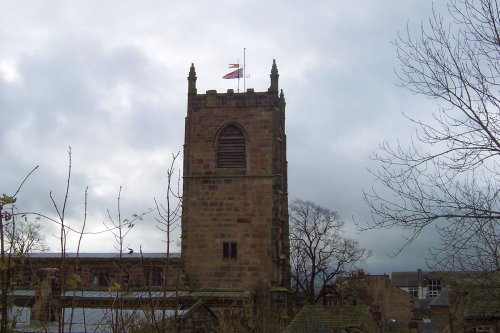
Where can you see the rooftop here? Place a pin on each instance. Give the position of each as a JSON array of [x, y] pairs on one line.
[[315, 318], [103, 255]]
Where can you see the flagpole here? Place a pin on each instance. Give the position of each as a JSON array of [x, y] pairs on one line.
[[244, 71]]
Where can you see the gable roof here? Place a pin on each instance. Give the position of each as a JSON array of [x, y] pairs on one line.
[[320, 319], [441, 300]]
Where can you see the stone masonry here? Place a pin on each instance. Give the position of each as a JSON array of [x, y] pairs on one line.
[[242, 208]]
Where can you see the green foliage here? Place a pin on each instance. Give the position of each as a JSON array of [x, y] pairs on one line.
[[75, 281], [139, 325], [115, 287], [22, 258], [6, 264], [7, 200]]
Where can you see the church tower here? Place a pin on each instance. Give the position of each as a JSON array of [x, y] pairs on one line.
[[235, 206]]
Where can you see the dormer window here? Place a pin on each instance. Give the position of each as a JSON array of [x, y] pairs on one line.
[[231, 148]]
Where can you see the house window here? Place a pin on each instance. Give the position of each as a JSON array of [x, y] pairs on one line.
[[229, 250], [231, 148], [101, 279], [413, 291], [483, 329], [158, 277], [434, 288], [154, 277]]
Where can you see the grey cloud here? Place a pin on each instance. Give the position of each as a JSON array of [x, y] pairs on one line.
[[109, 79]]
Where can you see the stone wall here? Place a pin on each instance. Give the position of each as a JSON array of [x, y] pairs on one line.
[[100, 271]]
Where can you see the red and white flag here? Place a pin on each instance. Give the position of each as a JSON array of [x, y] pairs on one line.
[[234, 74]]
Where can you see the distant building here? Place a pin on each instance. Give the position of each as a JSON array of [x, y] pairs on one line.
[[425, 285], [390, 307], [98, 271], [419, 301], [393, 305], [453, 301]]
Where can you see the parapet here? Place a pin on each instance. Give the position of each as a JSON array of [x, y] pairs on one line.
[[250, 98]]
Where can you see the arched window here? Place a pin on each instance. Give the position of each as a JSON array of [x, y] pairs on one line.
[[231, 148]]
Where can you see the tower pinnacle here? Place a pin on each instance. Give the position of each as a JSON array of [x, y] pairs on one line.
[[274, 78], [192, 80]]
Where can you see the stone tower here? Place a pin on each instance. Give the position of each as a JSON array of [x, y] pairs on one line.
[[235, 206]]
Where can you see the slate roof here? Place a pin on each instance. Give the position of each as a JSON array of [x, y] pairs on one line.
[[323, 319], [405, 279], [95, 294], [483, 302], [82, 319], [99, 255], [441, 300]]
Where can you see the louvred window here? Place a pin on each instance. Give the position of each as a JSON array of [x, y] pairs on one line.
[[231, 148]]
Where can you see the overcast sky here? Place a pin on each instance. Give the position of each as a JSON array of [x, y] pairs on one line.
[[108, 78]]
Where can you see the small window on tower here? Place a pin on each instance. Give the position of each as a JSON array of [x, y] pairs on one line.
[[231, 148], [229, 250]]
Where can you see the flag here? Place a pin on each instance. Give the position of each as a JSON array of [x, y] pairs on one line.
[[234, 74], [234, 65]]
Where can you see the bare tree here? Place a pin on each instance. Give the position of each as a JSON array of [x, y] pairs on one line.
[[449, 176], [319, 250], [64, 230], [7, 216], [119, 228], [169, 215], [24, 236]]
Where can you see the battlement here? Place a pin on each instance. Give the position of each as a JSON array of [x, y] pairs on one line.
[[250, 98]]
